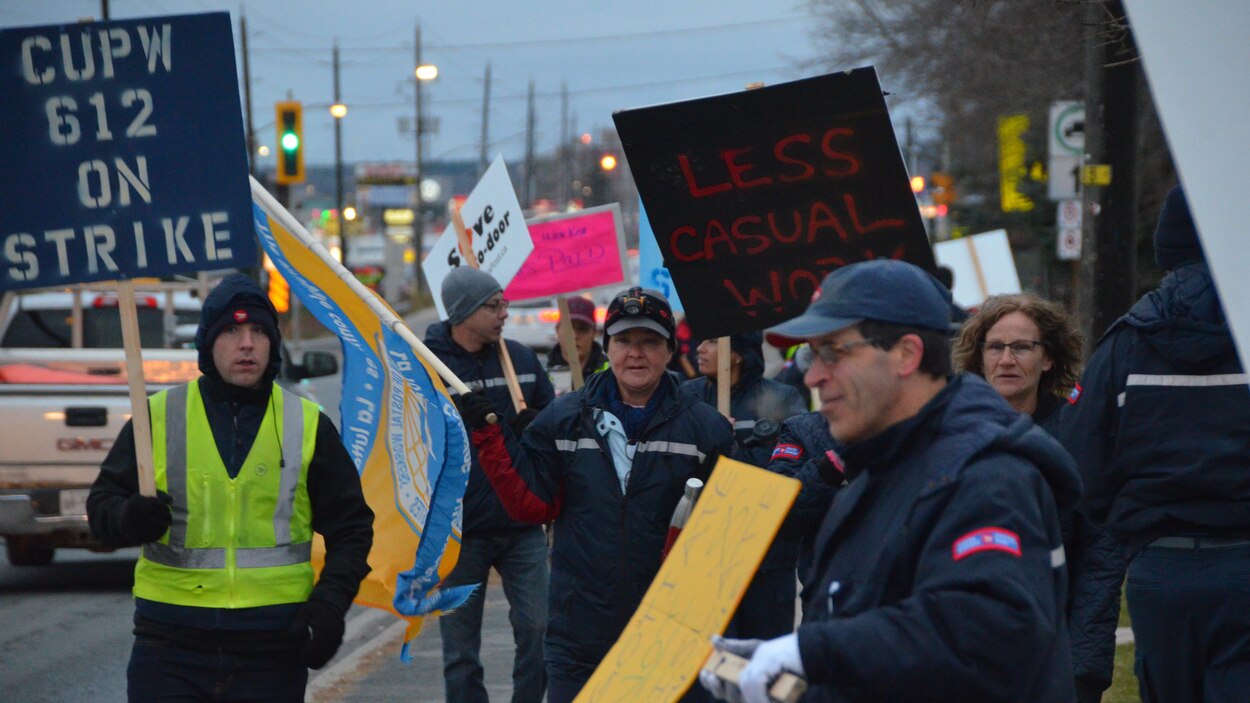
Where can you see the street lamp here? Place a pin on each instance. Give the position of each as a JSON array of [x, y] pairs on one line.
[[339, 111], [422, 72]]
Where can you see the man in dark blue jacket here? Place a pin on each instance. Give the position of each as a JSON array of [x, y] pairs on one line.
[[468, 342], [939, 571], [608, 463], [1160, 428], [758, 406]]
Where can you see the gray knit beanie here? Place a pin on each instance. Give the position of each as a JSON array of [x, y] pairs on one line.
[[465, 290]]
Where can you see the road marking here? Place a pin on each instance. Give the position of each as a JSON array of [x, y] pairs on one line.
[[345, 667]]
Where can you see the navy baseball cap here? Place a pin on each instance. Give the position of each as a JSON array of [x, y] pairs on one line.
[[894, 292]]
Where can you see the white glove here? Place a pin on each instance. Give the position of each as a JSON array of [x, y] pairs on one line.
[[714, 685], [770, 659]]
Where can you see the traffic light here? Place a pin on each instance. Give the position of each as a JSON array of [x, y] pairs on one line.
[[279, 292], [289, 117], [943, 189]]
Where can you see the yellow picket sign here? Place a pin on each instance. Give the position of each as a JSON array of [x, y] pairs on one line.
[[698, 588]]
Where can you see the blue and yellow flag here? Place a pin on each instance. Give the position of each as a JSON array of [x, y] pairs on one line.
[[400, 427]]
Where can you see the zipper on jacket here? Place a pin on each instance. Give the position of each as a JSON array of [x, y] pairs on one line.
[[231, 546]]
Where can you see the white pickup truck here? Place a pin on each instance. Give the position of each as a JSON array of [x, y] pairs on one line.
[[64, 397]]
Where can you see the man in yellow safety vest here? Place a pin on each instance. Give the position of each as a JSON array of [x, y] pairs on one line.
[[226, 607]]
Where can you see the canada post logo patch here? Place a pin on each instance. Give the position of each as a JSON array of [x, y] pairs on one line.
[[1075, 395], [787, 451], [240, 316], [986, 539]]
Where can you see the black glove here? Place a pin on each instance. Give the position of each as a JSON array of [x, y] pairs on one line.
[[474, 408], [523, 420], [326, 624], [830, 468], [145, 518]]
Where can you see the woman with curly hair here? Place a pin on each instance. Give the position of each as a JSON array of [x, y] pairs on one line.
[[1028, 349]]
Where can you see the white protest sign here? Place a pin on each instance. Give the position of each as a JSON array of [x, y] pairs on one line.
[[983, 266], [1188, 49], [496, 226]]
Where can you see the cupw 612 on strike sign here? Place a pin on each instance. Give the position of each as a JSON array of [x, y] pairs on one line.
[[122, 151]]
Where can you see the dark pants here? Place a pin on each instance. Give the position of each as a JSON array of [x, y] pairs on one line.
[[767, 608], [1191, 623], [160, 671], [521, 559]]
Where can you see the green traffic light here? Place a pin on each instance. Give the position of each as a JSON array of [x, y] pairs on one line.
[[290, 141]]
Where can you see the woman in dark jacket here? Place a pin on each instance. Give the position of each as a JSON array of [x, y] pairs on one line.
[[608, 463], [1030, 351]]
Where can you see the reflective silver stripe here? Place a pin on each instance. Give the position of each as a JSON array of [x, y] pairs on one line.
[[182, 558], [1058, 557], [285, 555], [292, 460], [568, 445], [744, 424], [501, 381], [672, 448], [1219, 379], [176, 463], [1183, 381]]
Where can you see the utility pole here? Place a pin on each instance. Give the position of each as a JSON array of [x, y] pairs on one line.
[[104, 10], [338, 162], [566, 149], [1112, 131], [527, 187], [482, 160], [418, 229], [247, 97]]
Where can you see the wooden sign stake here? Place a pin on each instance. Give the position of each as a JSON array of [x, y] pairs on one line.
[[568, 345], [140, 422]]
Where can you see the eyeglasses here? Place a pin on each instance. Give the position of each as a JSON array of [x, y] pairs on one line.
[[498, 306], [830, 354], [1019, 350]]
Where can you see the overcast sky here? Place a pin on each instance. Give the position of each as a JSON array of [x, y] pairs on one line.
[[611, 55]]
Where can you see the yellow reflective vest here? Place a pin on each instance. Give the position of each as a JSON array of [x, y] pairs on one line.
[[237, 542]]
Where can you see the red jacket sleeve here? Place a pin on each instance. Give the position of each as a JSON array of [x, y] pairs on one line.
[[521, 503]]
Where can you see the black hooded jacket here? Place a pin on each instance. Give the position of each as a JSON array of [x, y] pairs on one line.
[[758, 405], [1160, 426], [340, 513]]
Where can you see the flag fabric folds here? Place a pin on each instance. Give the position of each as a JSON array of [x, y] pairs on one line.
[[400, 427]]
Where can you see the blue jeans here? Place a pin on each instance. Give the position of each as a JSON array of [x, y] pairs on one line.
[[160, 671], [1191, 623], [521, 559]]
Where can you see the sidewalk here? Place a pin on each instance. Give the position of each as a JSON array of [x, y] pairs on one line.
[[368, 668]]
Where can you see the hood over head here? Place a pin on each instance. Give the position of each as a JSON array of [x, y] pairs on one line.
[[236, 299]]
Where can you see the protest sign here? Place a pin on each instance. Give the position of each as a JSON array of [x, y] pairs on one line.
[[651, 270], [755, 196], [658, 655], [1186, 49], [124, 153], [983, 266], [497, 232], [572, 253]]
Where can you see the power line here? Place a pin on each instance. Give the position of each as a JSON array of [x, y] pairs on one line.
[[584, 91], [459, 46]]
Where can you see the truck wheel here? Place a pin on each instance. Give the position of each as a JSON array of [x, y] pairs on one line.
[[24, 551]]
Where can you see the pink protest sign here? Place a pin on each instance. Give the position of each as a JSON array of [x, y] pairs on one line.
[[572, 253]]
